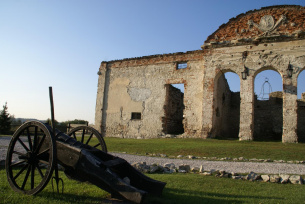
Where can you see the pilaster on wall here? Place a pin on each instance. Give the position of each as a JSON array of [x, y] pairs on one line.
[[207, 110], [100, 98], [289, 111], [246, 109]]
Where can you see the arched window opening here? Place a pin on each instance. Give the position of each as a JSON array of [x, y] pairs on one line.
[[267, 82], [226, 112], [301, 85], [301, 107], [268, 106]]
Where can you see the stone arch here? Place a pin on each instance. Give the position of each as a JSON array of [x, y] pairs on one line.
[[301, 106], [270, 67], [268, 109], [226, 107]]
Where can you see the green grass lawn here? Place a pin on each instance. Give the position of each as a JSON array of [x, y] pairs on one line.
[[209, 148], [183, 188], [180, 188], [74, 192], [194, 188]]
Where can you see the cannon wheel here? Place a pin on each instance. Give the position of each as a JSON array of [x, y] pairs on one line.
[[30, 158], [87, 135]]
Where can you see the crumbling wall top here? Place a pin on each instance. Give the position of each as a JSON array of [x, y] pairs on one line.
[[154, 59], [269, 24]]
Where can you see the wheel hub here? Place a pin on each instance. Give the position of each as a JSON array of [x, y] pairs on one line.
[[31, 158]]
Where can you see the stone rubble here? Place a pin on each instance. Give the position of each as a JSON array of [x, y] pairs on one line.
[[265, 178], [284, 179], [201, 169], [170, 168], [274, 178], [296, 179], [252, 176], [239, 159], [185, 168]]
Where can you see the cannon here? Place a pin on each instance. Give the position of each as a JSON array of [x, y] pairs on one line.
[[36, 150], [33, 155]]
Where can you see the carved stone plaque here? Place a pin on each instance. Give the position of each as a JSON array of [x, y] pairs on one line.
[[266, 23]]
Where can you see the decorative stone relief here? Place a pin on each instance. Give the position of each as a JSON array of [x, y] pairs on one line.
[[267, 24]]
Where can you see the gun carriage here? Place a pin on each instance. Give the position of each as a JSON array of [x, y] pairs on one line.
[[36, 149]]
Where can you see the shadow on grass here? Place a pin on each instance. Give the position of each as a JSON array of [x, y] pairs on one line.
[[172, 195], [72, 198]]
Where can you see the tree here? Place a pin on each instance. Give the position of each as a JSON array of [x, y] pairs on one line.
[[49, 121], [75, 121], [5, 120]]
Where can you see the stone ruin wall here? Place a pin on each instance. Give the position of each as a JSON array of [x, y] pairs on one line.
[[126, 94], [272, 56], [138, 85], [268, 115]]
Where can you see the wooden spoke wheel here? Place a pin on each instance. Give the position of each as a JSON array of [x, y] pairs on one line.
[[89, 136], [30, 158]]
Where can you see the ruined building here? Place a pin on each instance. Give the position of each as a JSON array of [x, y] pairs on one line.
[[135, 96]]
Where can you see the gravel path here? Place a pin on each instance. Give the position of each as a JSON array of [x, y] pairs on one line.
[[237, 167], [4, 142]]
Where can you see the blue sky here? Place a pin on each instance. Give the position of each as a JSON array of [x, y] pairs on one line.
[[61, 43]]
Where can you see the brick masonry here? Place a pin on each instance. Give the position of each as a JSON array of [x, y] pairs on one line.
[[270, 38]]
